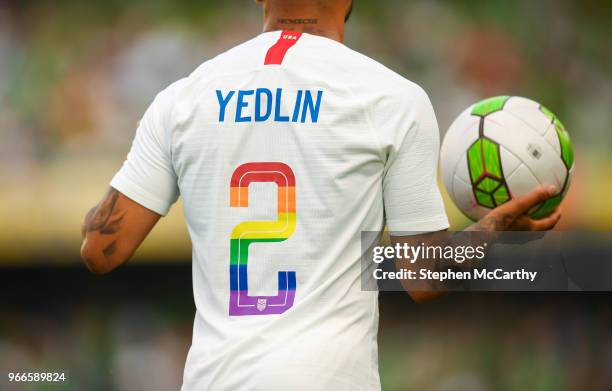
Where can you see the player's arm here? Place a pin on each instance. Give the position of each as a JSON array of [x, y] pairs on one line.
[[511, 216], [141, 192], [113, 230], [414, 210], [413, 205], [419, 290]]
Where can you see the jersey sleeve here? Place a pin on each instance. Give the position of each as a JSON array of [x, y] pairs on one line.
[[147, 175], [412, 199]]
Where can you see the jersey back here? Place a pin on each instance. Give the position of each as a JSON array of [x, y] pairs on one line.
[[283, 150]]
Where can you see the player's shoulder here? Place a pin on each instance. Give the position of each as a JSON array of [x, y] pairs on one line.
[[370, 73], [389, 80], [239, 58], [183, 92]]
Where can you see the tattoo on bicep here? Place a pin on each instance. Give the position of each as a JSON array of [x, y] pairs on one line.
[[103, 217]]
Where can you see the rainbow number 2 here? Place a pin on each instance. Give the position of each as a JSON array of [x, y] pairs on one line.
[[241, 303]]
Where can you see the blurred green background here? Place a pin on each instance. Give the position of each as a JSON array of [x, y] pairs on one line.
[[75, 77]]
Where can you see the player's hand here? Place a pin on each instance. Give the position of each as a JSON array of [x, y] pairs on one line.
[[514, 214]]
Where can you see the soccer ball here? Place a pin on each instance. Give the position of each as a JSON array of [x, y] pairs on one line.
[[505, 147]]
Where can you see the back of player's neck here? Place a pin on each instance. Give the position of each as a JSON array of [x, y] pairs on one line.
[[312, 26]]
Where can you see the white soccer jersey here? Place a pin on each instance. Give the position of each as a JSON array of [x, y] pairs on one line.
[[284, 149]]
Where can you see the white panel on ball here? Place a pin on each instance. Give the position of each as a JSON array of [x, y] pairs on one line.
[[509, 162], [522, 181], [528, 112], [462, 133], [552, 138], [519, 102], [528, 146], [462, 172], [463, 197]]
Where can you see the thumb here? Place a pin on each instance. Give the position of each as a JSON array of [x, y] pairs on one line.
[[527, 202]]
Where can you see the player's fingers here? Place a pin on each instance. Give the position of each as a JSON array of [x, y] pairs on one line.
[[522, 223], [525, 203], [517, 206], [546, 223]]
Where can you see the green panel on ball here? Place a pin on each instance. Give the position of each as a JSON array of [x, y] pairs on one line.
[[501, 195], [475, 160], [488, 184], [491, 157], [490, 105], [483, 158], [484, 199], [567, 150], [547, 207]]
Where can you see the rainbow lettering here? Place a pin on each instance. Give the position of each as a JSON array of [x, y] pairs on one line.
[[261, 231]]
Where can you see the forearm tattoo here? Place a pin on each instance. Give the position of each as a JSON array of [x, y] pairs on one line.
[[102, 218], [105, 219], [492, 223]]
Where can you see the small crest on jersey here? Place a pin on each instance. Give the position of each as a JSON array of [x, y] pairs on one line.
[[261, 304]]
